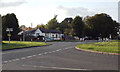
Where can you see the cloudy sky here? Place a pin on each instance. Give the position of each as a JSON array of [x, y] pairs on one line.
[[41, 11]]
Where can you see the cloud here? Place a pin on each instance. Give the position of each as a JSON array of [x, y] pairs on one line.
[[77, 11], [11, 3]]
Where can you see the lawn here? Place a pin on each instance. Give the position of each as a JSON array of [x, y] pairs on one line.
[[111, 46], [21, 44]]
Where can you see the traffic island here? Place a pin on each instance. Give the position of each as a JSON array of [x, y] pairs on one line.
[[110, 47]]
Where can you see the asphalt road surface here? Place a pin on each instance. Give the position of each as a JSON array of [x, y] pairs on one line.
[[58, 56]]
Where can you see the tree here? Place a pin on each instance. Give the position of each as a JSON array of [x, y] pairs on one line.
[[78, 26], [10, 21], [101, 25], [41, 26], [65, 26], [87, 31], [52, 24]]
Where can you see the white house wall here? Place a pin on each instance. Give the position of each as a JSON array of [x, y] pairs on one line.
[[49, 35], [38, 31]]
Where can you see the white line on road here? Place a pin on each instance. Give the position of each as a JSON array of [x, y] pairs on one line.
[[53, 51], [57, 50], [17, 59], [29, 56], [54, 67], [49, 52], [45, 52], [34, 55], [39, 54]]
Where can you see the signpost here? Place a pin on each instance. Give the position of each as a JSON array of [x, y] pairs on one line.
[[9, 35]]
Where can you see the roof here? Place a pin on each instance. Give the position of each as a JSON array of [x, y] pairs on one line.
[[30, 31], [26, 32], [50, 30], [41, 29]]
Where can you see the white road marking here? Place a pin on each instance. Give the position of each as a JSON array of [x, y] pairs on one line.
[[54, 67], [17, 59], [45, 52], [23, 58], [14, 60], [49, 52], [29, 56], [39, 54], [33, 55], [53, 51], [57, 50]]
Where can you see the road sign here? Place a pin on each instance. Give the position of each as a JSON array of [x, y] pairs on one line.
[[9, 29], [9, 35]]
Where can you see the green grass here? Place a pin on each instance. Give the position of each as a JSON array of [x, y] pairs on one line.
[[111, 46], [65, 41], [20, 44]]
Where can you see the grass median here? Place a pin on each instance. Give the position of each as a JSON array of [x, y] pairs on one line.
[[21, 44], [110, 47]]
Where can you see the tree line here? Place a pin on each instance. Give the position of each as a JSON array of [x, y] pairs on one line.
[[99, 25]]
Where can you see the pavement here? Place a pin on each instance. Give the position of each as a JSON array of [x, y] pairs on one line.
[[58, 56]]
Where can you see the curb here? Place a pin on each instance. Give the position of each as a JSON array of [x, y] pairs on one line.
[[97, 51]]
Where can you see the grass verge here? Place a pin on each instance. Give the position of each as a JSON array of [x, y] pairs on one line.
[[111, 46], [65, 41], [20, 44]]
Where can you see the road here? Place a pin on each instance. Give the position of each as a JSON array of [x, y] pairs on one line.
[[58, 56]]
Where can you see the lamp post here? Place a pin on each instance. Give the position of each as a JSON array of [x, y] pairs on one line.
[[9, 35]]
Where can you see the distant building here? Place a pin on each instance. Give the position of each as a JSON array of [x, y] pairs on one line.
[[42, 34]]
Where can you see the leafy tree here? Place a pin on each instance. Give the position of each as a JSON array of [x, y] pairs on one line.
[[41, 26], [87, 31], [52, 24], [101, 25], [10, 21], [78, 26], [65, 26]]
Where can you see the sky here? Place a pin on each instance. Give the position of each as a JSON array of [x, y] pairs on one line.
[[41, 11]]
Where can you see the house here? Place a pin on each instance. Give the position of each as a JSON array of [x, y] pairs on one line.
[[42, 34]]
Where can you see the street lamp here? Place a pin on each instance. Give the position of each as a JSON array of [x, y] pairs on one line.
[[9, 35]]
